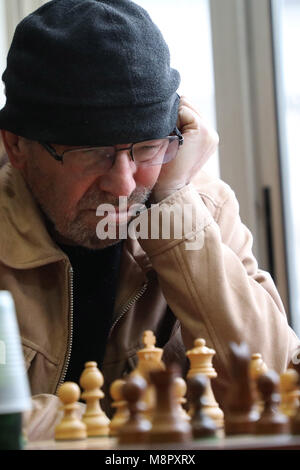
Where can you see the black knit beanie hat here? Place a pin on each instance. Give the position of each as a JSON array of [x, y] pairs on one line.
[[89, 72]]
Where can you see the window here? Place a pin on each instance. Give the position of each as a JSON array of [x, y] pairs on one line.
[[3, 49], [11, 13], [186, 29], [286, 27]]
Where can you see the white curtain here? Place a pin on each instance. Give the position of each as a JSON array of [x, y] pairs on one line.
[[16, 10], [11, 13]]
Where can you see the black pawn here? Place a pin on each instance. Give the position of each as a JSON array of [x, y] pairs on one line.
[[167, 424], [240, 415], [271, 421], [136, 429], [202, 424]]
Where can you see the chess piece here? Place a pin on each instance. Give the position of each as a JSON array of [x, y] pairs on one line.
[[201, 363], [271, 421], [91, 380], [289, 392], [167, 424], [70, 427], [121, 414], [202, 424], [295, 419], [180, 391], [149, 359], [257, 368], [240, 413], [137, 427]]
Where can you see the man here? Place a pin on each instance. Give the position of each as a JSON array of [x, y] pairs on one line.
[[92, 114]]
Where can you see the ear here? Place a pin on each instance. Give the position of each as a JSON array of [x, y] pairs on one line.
[[15, 148]]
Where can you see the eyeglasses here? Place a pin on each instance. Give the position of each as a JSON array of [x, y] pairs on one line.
[[144, 154]]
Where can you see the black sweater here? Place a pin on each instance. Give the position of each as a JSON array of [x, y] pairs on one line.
[[94, 289]]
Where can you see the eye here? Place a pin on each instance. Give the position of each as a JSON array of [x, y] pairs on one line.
[[99, 153], [150, 148]]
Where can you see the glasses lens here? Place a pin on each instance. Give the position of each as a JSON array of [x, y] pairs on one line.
[[155, 152], [91, 159], [172, 149]]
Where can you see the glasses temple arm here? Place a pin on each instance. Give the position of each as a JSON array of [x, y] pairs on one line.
[[52, 151], [179, 135]]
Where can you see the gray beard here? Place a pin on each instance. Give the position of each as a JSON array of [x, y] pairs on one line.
[[76, 231]]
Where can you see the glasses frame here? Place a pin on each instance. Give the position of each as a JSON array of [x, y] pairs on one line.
[[60, 157]]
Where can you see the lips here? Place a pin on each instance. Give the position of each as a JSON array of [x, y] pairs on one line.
[[117, 217]]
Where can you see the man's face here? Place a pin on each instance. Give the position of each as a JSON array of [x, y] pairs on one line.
[[69, 200]]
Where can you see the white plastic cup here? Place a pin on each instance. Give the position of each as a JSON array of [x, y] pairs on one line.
[[14, 386]]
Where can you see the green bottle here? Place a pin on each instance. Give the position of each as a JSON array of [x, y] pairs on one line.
[[14, 386], [11, 431]]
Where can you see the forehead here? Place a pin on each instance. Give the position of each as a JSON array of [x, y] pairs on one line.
[[126, 145], [78, 147]]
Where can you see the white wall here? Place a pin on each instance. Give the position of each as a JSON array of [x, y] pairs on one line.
[[3, 48]]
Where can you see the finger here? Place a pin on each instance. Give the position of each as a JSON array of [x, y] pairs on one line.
[[184, 101], [188, 119]]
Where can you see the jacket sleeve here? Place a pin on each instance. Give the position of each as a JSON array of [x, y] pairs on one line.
[[39, 422], [212, 283]]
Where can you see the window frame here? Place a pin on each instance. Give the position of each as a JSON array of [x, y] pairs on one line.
[[242, 35]]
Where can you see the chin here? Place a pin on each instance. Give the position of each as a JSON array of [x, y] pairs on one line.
[[82, 232], [89, 239], [99, 244]]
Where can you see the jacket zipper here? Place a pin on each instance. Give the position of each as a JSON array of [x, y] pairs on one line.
[[70, 341], [125, 309]]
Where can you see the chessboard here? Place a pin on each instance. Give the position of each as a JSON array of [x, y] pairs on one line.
[[110, 445], [156, 410]]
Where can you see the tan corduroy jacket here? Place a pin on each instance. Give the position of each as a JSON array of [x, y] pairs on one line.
[[216, 292]]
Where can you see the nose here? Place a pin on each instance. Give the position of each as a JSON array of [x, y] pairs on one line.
[[119, 180]]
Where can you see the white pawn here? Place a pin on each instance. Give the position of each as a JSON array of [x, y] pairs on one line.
[[179, 392], [70, 427], [257, 367], [122, 413], [289, 392], [91, 380]]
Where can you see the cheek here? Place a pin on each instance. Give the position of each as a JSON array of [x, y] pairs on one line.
[[147, 176], [69, 191], [76, 188]]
